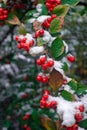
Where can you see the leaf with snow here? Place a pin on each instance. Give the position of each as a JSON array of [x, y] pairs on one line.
[[73, 85], [81, 89], [40, 41]]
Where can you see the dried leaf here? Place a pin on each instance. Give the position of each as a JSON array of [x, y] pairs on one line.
[[37, 25], [14, 21], [22, 29], [59, 124], [48, 123], [55, 80]]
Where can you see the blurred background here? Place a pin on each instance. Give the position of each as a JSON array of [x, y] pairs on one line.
[[19, 91]]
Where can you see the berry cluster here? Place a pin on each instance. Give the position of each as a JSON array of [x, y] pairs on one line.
[[24, 43], [3, 14], [47, 22], [78, 115], [42, 78], [51, 4], [26, 117], [26, 127], [39, 33], [45, 63], [44, 101]]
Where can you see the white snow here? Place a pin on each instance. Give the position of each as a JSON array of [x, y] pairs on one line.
[[42, 18], [36, 50]]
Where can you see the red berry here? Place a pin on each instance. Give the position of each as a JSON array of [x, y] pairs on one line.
[[28, 128], [25, 118], [39, 78], [54, 16], [75, 127], [69, 128], [17, 38], [45, 97], [78, 117], [1, 9], [38, 62], [46, 92], [25, 78], [41, 32], [43, 59], [49, 20], [5, 17], [46, 24], [81, 108], [31, 43], [5, 12], [48, 105], [26, 47], [37, 34], [24, 40], [22, 45], [71, 58], [65, 81], [48, 5], [53, 104], [19, 46], [45, 79], [25, 126], [42, 103], [50, 63], [25, 95], [45, 66]]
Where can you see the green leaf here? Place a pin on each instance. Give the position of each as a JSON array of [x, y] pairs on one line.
[[61, 10], [36, 116], [44, 10], [73, 85], [67, 95], [70, 2], [41, 1], [7, 123], [55, 26], [65, 67], [57, 48], [40, 41], [81, 89], [30, 13], [61, 56], [83, 124]]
